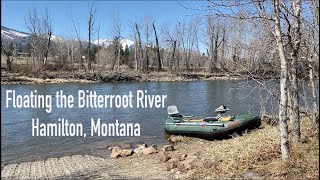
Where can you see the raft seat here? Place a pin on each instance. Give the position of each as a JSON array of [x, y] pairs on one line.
[[225, 119]]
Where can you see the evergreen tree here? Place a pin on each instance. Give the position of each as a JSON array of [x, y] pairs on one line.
[[126, 51]]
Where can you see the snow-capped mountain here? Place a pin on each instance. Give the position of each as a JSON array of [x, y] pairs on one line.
[[20, 39], [128, 42], [102, 42], [107, 42], [17, 37], [56, 38]]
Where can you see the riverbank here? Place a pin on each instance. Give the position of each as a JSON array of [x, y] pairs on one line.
[[85, 77], [254, 155]]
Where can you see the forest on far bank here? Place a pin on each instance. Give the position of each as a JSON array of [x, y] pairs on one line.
[[239, 41]]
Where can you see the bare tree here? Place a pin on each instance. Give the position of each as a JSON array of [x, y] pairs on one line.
[[116, 40], [139, 46], [171, 36], [47, 23], [147, 28], [77, 31], [98, 61], [32, 21], [91, 23], [159, 65]]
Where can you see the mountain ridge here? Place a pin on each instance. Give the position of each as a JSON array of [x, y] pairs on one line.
[[20, 38]]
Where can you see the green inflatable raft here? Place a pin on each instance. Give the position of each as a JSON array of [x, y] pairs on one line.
[[209, 127]]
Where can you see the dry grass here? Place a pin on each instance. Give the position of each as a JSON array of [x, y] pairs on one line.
[[258, 153]]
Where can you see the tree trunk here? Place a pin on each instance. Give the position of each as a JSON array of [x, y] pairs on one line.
[[135, 56], [294, 66], [215, 53], [173, 56], [283, 86], [295, 115], [141, 59], [115, 53], [118, 57], [223, 49], [157, 48], [47, 51], [315, 113]]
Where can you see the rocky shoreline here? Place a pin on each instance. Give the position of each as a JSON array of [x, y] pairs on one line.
[[253, 155], [68, 77]]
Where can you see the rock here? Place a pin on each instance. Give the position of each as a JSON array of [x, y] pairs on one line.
[[178, 172], [175, 139], [115, 154], [142, 145], [115, 149], [139, 150], [154, 146], [126, 152], [167, 148], [164, 156], [187, 164], [149, 150]]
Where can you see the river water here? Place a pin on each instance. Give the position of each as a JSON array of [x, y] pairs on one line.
[[191, 98]]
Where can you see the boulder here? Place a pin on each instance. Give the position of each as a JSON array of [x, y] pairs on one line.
[[164, 156], [142, 145], [175, 139], [115, 149], [149, 150], [115, 154], [126, 152], [154, 146], [167, 148], [139, 150], [110, 148]]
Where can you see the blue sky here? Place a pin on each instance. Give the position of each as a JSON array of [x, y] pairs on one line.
[[162, 12]]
